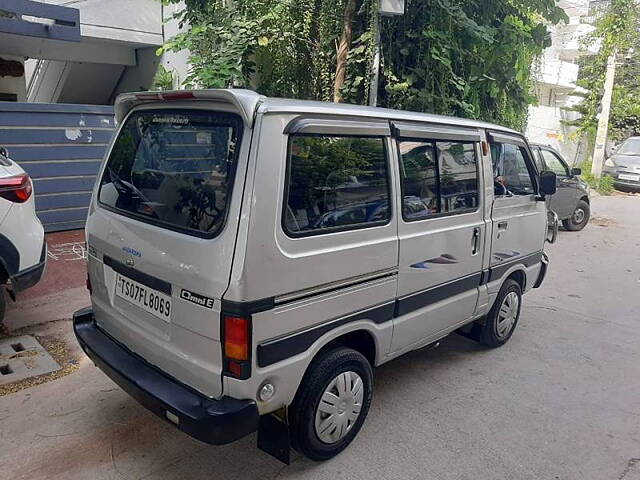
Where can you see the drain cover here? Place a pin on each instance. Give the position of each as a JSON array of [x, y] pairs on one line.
[[23, 357]]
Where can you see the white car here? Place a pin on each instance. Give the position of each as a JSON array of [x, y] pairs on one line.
[[23, 251]]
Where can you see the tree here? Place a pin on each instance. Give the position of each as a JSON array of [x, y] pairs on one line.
[[624, 121], [343, 50], [469, 58], [617, 32]]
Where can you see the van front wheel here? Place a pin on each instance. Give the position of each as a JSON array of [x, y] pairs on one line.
[[503, 316], [331, 404]]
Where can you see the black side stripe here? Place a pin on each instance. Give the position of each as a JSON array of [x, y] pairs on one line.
[[276, 350], [498, 271], [244, 309], [264, 304], [279, 349], [138, 276], [432, 295]]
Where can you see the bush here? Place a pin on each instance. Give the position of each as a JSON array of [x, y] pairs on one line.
[[602, 185]]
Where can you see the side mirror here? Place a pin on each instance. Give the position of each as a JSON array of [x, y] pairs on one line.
[[4, 152], [576, 171], [547, 183]]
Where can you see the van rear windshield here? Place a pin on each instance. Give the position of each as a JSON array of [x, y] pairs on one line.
[[174, 169]]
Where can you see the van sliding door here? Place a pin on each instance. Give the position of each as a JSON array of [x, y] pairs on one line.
[[441, 232]]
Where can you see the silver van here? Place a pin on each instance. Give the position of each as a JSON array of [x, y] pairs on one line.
[[251, 259]]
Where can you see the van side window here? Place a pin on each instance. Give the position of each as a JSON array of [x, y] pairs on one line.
[[335, 183], [437, 177], [458, 176], [511, 175]]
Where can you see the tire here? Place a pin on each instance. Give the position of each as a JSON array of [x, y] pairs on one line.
[[495, 332], [306, 412], [579, 218]]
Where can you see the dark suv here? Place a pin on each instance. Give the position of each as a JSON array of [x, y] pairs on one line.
[[571, 201]]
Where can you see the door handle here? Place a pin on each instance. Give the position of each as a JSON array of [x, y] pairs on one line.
[[475, 241], [503, 225]]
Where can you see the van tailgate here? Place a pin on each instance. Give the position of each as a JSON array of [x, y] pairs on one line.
[[160, 245]]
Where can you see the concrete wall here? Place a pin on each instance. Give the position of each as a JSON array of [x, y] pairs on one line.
[[116, 54], [178, 63], [545, 127], [555, 81], [129, 21]]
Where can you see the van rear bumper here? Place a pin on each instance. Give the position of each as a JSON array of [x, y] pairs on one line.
[[216, 422]]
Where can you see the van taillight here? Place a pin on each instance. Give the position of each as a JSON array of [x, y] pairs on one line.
[[16, 189], [237, 345]]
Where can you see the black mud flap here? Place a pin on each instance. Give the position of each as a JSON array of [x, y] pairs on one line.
[[273, 437]]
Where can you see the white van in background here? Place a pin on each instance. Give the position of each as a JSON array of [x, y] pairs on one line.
[[251, 259]]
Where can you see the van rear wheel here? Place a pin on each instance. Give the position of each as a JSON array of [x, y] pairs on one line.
[[331, 404], [503, 317]]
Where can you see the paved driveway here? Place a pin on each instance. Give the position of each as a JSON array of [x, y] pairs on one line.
[[560, 401]]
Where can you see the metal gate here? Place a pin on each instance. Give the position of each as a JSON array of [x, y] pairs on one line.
[[61, 147]]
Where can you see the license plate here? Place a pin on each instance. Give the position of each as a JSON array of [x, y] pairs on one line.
[[156, 303], [633, 178]]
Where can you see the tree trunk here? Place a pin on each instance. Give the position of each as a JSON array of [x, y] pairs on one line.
[[343, 49]]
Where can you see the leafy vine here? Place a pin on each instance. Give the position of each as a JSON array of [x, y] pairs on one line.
[[468, 58]]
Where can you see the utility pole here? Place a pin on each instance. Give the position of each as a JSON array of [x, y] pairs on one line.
[[385, 8], [603, 121], [375, 68]]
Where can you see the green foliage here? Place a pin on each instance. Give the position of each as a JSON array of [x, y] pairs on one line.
[[624, 121], [471, 59], [468, 58], [163, 79], [602, 185], [618, 30]]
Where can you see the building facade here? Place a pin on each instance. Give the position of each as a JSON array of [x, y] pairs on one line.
[[82, 51], [556, 78]]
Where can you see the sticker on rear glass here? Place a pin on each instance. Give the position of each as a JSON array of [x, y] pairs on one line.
[[201, 300]]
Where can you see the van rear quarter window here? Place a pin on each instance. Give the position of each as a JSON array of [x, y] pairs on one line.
[[335, 183], [174, 169]]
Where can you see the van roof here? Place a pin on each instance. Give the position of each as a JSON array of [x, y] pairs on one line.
[[249, 102]]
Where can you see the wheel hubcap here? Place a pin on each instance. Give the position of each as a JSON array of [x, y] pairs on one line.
[[508, 314], [339, 407], [578, 216]]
